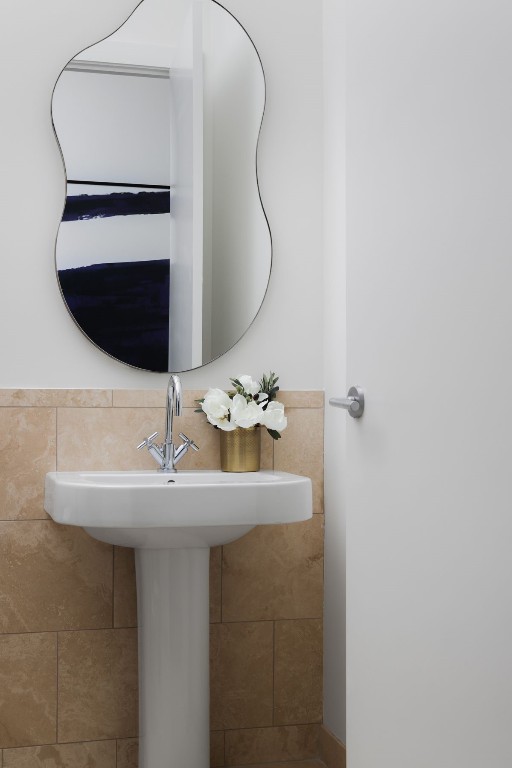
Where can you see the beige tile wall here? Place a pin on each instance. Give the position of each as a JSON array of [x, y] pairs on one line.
[[68, 614]]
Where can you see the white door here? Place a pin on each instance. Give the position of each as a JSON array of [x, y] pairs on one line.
[[429, 476]]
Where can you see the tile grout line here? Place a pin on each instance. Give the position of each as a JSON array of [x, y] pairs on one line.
[[268, 727], [56, 439], [221, 580], [113, 582], [62, 744], [57, 697], [273, 673], [63, 629]]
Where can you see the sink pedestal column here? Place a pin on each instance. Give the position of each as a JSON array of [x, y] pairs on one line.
[[173, 616]]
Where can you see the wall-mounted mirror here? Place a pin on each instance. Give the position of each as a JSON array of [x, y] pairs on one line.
[[164, 252]]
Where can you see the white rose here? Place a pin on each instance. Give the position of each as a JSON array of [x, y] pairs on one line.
[[250, 386], [217, 405], [245, 414], [273, 417]]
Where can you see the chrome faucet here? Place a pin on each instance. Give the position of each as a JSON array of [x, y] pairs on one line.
[[167, 455]]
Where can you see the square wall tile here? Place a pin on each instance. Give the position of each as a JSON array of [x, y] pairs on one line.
[[301, 449], [274, 572], [125, 588], [127, 753], [28, 685], [27, 453], [106, 438], [98, 688], [268, 745], [93, 754], [53, 577], [216, 749], [241, 672], [298, 671]]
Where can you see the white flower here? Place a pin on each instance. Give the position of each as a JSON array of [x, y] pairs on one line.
[[245, 414], [250, 386], [273, 417], [217, 405]]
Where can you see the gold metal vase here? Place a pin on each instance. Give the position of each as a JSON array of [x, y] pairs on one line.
[[240, 450]]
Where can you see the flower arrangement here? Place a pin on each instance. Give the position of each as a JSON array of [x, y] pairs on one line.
[[249, 404]]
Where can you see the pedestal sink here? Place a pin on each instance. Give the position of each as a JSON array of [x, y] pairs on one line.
[[172, 520]]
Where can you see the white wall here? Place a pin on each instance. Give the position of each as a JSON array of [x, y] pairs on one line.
[[334, 364], [40, 344]]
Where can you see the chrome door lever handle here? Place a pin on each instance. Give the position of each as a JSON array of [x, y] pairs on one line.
[[353, 403]]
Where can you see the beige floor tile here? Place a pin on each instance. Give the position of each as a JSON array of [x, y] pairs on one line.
[[53, 577], [77, 398], [28, 685], [97, 685], [274, 572], [298, 671], [127, 753], [215, 584], [27, 453], [125, 588], [216, 749], [301, 449], [271, 745], [241, 675], [93, 754]]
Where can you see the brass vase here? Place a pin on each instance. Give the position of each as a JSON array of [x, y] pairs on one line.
[[240, 450]]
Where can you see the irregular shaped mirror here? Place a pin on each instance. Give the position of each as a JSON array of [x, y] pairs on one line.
[[164, 252]]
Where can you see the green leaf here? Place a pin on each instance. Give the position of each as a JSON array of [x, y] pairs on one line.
[[274, 434]]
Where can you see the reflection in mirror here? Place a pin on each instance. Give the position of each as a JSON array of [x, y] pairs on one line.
[[163, 254]]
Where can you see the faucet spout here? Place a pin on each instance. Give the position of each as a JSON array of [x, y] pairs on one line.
[[173, 408], [167, 454], [173, 405]]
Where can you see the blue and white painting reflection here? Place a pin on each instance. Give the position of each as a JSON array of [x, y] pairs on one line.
[[114, 269]]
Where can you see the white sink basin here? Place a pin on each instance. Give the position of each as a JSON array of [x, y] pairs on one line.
[[171, 520], [155, 510]]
